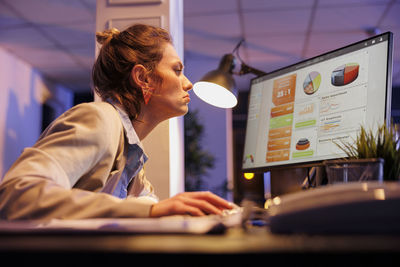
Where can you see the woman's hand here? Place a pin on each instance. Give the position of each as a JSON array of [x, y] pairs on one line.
[[191, 203]]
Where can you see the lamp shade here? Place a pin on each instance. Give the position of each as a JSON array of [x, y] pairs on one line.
[[217, 86]]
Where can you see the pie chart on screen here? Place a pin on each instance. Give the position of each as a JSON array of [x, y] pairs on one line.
[[345, 74], [312, 82]]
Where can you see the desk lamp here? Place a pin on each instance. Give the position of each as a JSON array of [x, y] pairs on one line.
[[217, 87]]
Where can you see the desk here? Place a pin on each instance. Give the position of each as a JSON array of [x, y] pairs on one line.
[[235, 243]]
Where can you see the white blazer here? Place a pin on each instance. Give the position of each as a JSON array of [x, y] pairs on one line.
[[65, 174]]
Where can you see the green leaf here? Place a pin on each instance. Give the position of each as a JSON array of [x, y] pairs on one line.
[[382, 144]]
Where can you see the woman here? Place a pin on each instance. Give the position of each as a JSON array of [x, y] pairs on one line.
[[89, 162]]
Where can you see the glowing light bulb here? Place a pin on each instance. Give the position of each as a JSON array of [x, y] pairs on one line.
[[248, 175]]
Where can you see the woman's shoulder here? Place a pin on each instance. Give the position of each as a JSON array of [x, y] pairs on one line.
[[96, 107], [93, 112], [88, 117]]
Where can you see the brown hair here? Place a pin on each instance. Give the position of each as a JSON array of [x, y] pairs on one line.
[[120, 52]]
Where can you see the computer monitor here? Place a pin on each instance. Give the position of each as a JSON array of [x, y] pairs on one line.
[[299, 113]]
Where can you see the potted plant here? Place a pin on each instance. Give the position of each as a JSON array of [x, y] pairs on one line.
[[380, 147]]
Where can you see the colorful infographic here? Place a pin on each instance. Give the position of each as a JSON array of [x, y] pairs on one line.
[[298, 116], [303, 144], [312, 82], [305, 115], [248, 157], [304, 130], [284, 90], [281, 113], [345, 74]]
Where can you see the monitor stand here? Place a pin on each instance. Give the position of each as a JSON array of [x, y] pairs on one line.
[[284, 181]]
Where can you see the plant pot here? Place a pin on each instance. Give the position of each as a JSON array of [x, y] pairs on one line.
[[354, 170]]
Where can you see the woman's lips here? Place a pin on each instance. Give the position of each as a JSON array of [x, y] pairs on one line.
[[187, 98]]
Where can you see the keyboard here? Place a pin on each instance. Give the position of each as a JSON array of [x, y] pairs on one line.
[[179, 224]]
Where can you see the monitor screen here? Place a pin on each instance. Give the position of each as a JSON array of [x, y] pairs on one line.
[[299, 113]]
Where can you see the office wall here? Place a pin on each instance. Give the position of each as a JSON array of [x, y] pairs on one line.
[[22, 92]]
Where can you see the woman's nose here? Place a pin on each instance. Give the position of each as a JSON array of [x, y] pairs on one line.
[[187, 85]]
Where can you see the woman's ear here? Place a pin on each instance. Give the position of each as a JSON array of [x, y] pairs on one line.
[[140, 77]]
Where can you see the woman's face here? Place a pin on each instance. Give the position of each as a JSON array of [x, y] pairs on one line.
[[171, 97]]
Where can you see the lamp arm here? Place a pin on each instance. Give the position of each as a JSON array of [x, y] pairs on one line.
[[245, 69]]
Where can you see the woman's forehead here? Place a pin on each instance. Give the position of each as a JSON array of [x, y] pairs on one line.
[[170, 55]]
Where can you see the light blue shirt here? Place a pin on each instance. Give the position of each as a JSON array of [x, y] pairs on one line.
[[136, 157]]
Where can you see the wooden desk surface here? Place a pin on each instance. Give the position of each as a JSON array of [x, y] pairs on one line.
[[235, 243]]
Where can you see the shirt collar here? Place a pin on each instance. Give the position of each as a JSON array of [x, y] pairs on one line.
[[130, 132]]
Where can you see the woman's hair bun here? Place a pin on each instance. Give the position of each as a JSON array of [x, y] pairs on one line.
[[105, 36]]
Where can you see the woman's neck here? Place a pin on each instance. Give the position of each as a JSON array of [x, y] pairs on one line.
[[144, 124]]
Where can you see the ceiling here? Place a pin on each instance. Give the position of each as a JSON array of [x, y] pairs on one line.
[[57, 36], [54, 36]]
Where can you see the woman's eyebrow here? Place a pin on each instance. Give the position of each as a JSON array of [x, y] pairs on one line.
[[179, 64]]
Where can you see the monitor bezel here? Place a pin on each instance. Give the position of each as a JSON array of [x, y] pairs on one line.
[[388, 98]]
